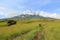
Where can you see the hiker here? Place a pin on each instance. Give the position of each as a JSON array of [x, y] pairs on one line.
[[40, 25]]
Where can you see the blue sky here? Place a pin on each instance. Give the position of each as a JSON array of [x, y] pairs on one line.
[[11, 7]]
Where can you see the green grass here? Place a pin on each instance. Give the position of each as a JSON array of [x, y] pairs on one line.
[[51, 29], [6, 32], [28, 36]]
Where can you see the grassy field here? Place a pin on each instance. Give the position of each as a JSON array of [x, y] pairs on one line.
[[28, 29]]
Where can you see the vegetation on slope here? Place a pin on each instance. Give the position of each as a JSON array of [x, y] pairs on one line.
[[26, 30]]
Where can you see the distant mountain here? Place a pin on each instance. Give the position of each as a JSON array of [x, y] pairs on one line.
[[27, 16], [30, 15], [33, 14]]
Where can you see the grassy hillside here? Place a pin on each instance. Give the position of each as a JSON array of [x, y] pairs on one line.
[[28, 29]]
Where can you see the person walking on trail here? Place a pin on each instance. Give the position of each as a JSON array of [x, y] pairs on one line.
[[40, 25]]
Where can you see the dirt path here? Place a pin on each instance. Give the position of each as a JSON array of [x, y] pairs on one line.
[[37, 35]]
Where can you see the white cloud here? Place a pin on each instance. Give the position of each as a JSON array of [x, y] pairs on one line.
[[11, 14], [6, 13], [28, 12], [52, 15], [42, 13], [2, 8]]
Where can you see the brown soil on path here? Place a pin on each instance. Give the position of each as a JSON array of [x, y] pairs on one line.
[[37, 35]]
